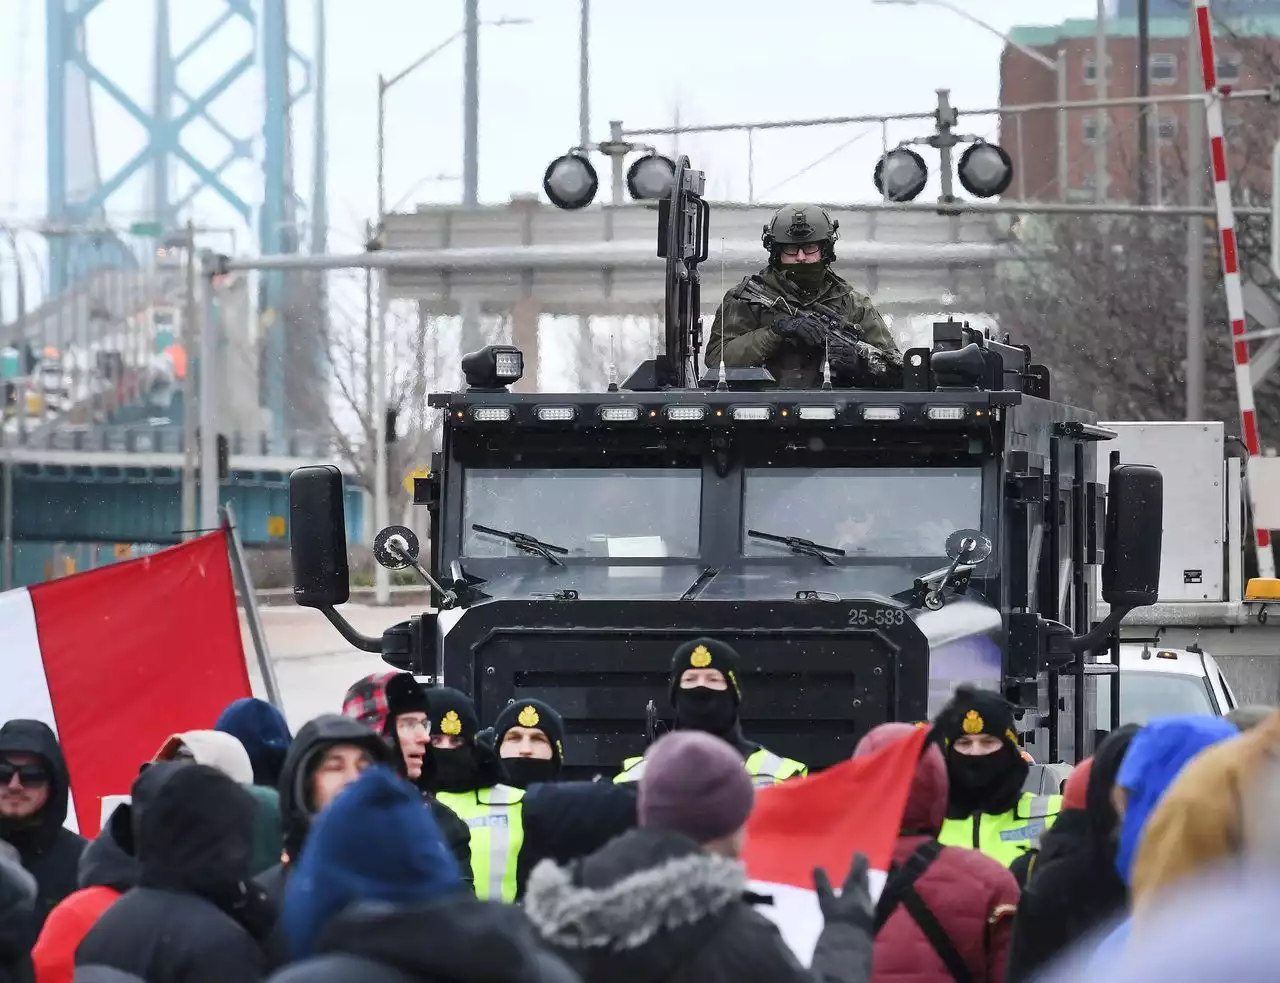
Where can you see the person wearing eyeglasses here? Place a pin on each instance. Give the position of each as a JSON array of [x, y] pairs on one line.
[[34, 792], [796, 315]]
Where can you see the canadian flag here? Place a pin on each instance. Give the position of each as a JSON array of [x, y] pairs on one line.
[[117, 659], [822, 821]]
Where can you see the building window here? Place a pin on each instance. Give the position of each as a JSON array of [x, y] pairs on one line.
[[1233, 130], [1167, 128], [1228, 68], [1090, 71], [1164, 69], [1089, 128]]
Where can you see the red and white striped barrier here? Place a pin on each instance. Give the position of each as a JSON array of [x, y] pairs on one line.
[[1231, 267]]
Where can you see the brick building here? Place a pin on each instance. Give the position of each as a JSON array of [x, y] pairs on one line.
[[1245, 53]]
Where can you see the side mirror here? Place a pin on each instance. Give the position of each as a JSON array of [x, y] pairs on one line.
[[318, 537], [1135, 525]]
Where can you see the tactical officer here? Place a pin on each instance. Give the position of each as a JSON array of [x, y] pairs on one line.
[[468, 779], [706, 693], [987, 809], [529, 736], [796, 313]]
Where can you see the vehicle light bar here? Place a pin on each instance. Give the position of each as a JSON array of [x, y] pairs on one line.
[[490, 414], [556, 414], [685, 413], [619, 414], [882, 412], [752, 412], [816, 412], [1166, 654], [946, 412]]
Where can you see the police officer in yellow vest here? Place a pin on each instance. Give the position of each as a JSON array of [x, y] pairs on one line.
[[706, 692], [468, 779], [987, 809], [529, 738]]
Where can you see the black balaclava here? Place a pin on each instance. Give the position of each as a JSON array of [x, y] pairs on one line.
[[989, 783], [806, 277], [471, 766], [523, 772], [700, 708]]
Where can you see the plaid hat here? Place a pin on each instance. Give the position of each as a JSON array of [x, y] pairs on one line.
[[452, 712], [366, 700], [533, 714], [694, 783], [706, 653], [976, 711]]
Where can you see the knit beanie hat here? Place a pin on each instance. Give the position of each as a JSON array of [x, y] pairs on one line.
[[452, 712], [694, 783], [976, 711], [404, 695], [375, 842], [706, 653], [532, 714]]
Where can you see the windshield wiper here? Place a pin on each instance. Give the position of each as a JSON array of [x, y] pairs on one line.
[[525, 542], [803, 547]]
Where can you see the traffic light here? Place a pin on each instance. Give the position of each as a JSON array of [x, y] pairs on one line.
[[224, 457]]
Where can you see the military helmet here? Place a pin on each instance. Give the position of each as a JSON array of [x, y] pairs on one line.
[[800, 223]]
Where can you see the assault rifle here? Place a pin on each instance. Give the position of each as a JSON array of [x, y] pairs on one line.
[[879, 369]]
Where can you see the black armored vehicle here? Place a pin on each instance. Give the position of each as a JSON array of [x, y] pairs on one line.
[[864, 551]]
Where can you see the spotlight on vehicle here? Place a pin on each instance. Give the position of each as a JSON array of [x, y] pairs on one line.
[[494, 367], [985, 170], [650, 177], [570, 181], [901, 174]]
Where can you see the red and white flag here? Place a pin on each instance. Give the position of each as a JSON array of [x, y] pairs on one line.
[[822, 821], [117, 659]]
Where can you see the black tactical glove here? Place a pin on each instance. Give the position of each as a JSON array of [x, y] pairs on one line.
[[854, 905], [846, 360], [857, 363], [800, 330]]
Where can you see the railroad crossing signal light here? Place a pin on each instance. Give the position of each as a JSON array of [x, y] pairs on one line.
[[570, 182], [985, 170], [901, 175], [650, 177]]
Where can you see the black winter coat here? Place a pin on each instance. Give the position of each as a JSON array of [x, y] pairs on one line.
[[652, 907], [1073, 887], [191, 919], [566, 821], [451, 941], [50, 852]]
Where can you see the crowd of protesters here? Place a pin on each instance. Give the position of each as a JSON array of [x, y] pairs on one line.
[[399, 841]]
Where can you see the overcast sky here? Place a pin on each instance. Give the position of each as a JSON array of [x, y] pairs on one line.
[[714, 60]]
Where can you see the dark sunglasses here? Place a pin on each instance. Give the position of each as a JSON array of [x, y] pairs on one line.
[[31, 776]]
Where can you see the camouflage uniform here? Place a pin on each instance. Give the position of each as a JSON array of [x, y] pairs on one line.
[[751, 325]]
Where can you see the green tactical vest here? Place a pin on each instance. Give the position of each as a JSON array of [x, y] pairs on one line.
[[495, 818], [1006, 836], [764, 767]]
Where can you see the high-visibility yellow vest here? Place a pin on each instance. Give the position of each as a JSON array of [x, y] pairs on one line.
[[1008, 835], [495, 817], [764, 767]]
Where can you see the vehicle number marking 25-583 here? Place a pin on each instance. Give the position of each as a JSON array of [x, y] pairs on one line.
[[876, 617]]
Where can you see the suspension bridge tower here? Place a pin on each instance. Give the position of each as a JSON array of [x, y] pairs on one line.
[[250, 178]]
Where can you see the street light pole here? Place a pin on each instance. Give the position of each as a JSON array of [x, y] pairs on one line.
[[189, 389], [1100, 135], [471, 107], [1195, 230]]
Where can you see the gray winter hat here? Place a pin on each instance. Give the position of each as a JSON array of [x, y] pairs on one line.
[[696, 784]]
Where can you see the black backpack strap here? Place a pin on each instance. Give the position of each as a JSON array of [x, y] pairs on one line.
[[900, 889]]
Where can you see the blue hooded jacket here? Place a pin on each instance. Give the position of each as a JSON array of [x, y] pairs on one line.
[[376, 841], [262, 729], [1156, 755]]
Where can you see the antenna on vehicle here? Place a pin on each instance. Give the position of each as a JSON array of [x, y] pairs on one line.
[[611, 368], [826, 361], [722, 383]]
